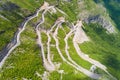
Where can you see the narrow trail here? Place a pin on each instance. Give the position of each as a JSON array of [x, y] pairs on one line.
[[61, 11], [80, 53], [16, 39], [46, 63], [55, 66], [48, 47], [48, 44], [83, 55], [86, 72], [66, 47]]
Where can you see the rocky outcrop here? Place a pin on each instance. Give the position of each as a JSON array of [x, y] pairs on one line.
[[102, 21]]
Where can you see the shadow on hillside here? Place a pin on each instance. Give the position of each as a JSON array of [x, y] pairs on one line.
[[10, 11], [8, 6], [112, 61]]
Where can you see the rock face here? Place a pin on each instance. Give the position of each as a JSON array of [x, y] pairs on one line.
[[100, 20]]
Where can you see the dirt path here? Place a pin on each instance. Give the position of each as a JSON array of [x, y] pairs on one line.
[[86, 72], [48, 50], [66, 47], [77, 39], [16, 40], [48, 46], [80, 37], [47, 63]]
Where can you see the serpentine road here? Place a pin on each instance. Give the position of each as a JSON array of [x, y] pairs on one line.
[[66, 47], [79, 52], [46, 63], [48, 47], [82, 55], [16, 40], [85, 71]]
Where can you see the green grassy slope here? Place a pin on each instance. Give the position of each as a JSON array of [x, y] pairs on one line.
[[25, 60], [27, 56], [103, 47], [14, 13]]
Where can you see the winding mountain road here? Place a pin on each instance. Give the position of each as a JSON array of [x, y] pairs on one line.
[[83, 55], [48, 47], [16, 40], [80, 53], [47, 63], [66, 47], [86, 72]]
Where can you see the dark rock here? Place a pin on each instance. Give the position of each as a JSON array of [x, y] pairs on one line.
[[1, 32], [100, 20]]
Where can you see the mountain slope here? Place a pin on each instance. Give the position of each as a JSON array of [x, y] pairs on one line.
[[59, 40]]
